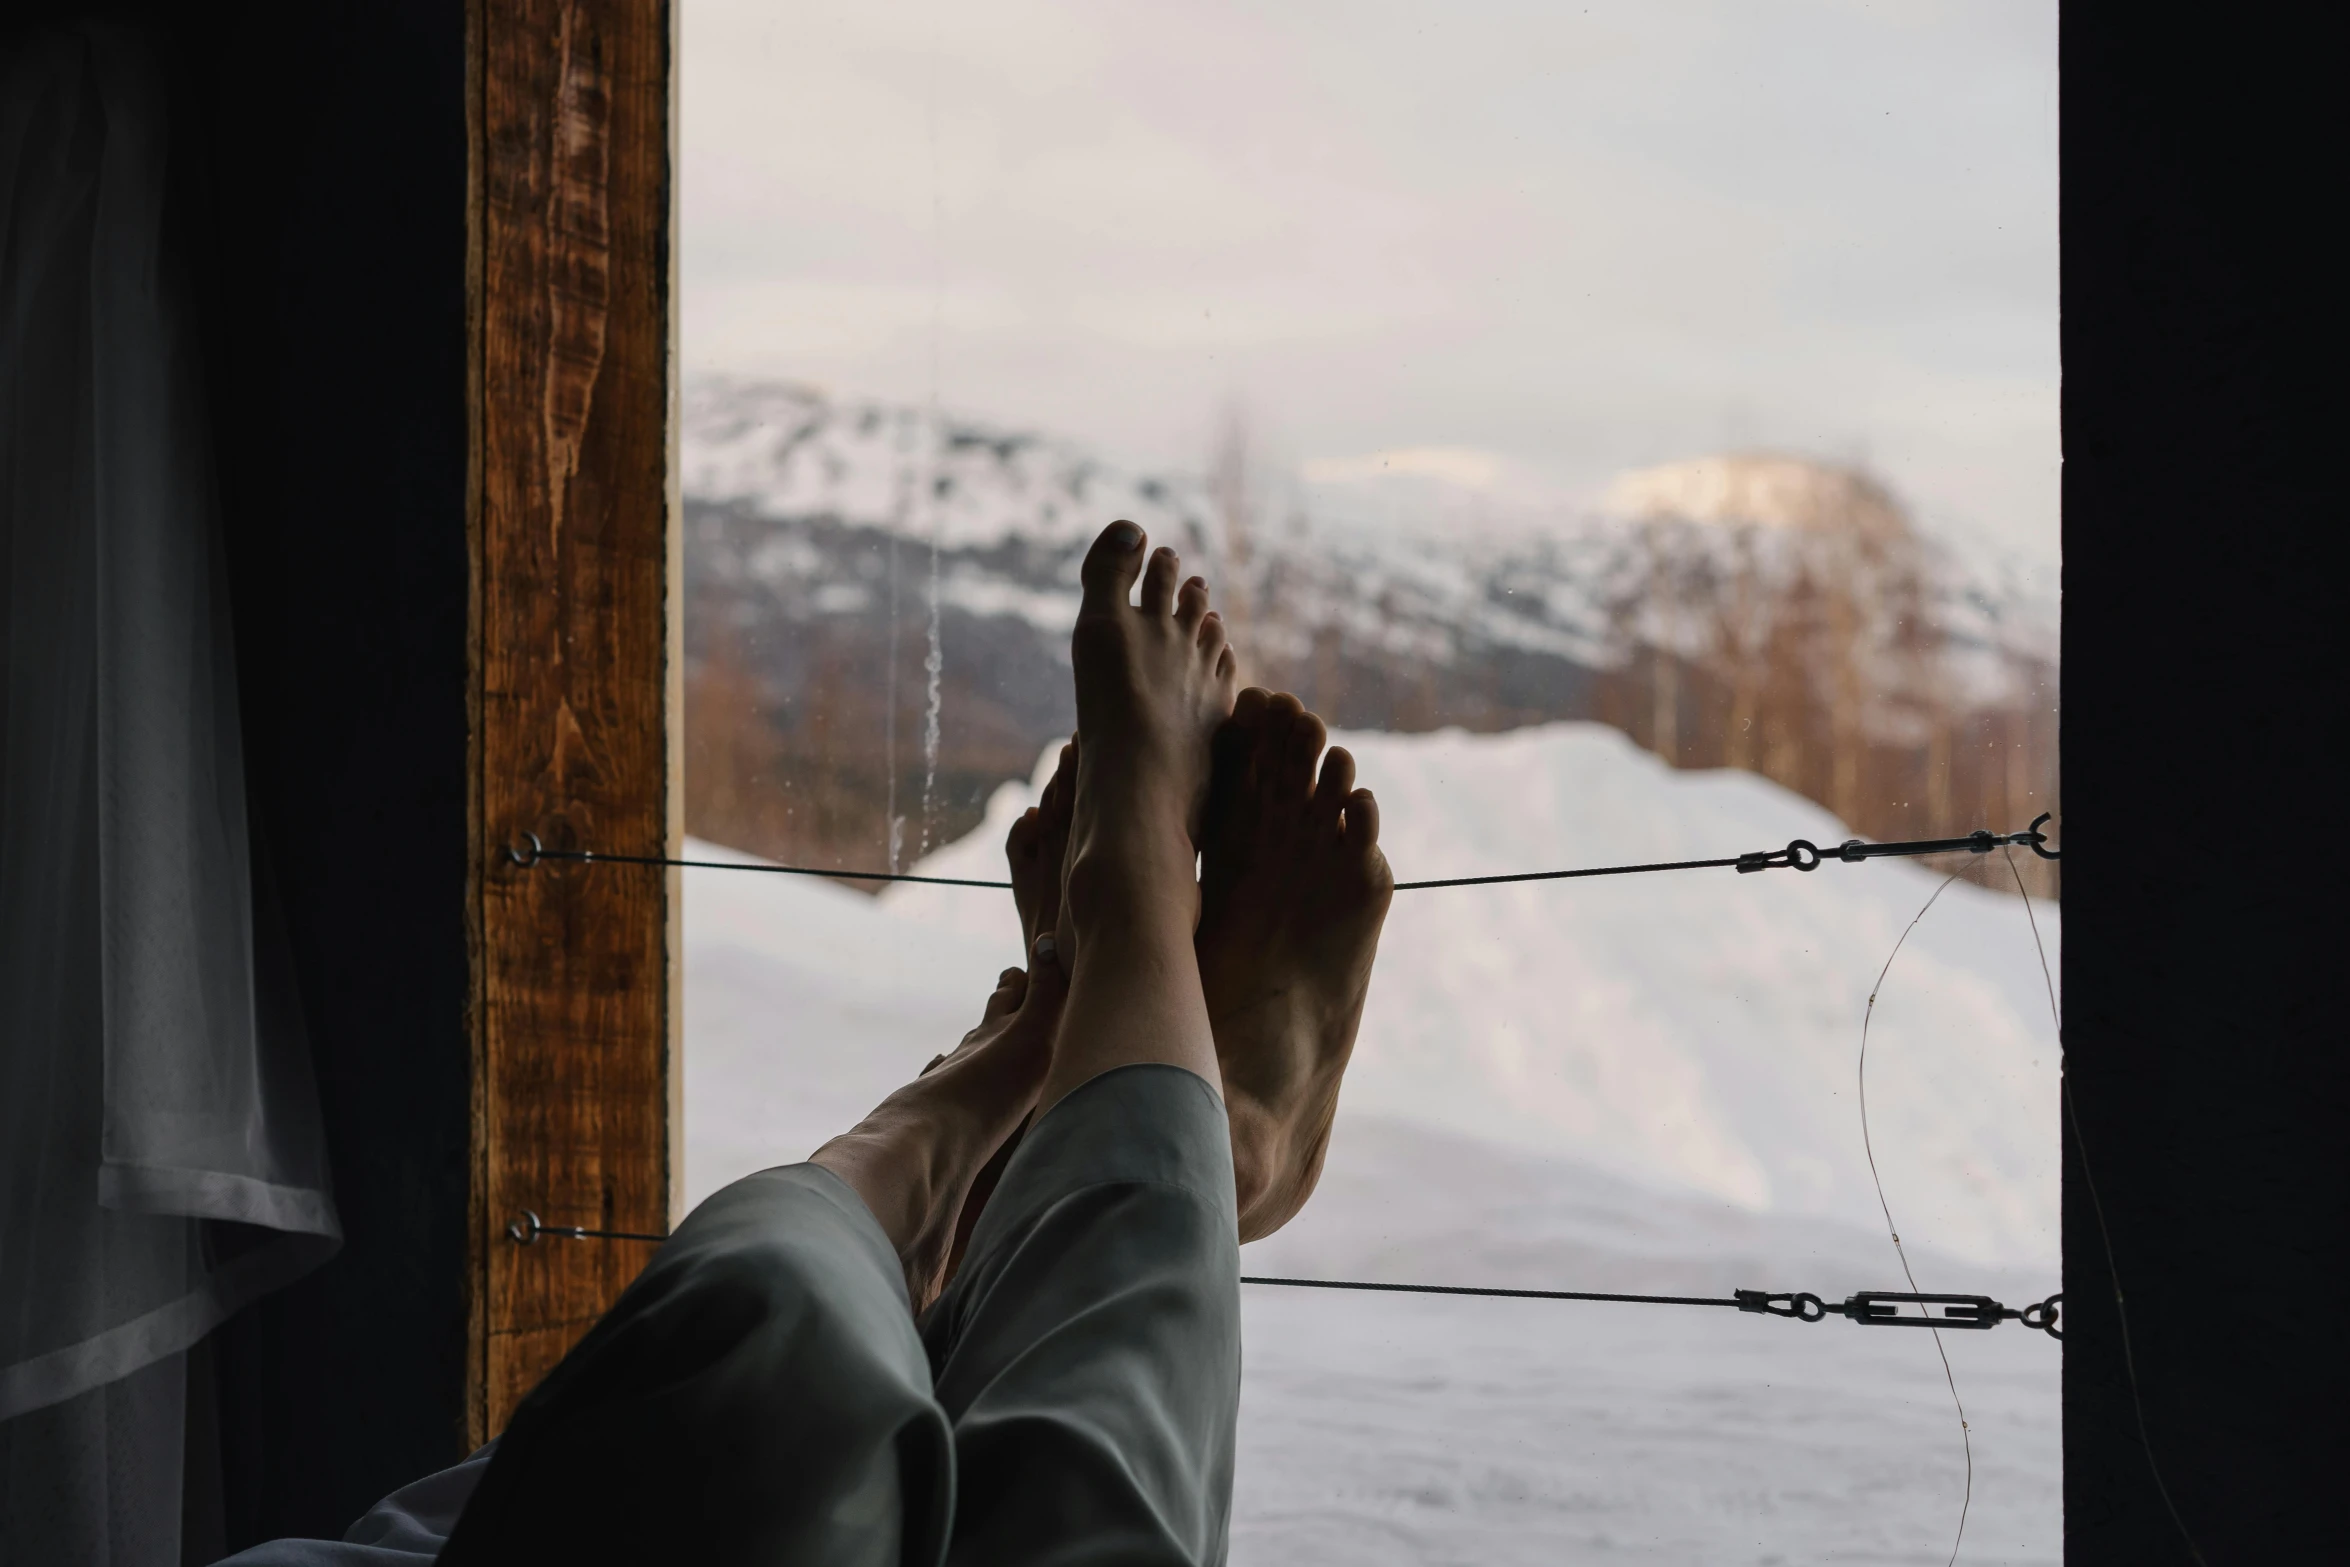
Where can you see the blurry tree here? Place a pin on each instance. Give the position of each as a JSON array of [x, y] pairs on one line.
[[1790, 627]]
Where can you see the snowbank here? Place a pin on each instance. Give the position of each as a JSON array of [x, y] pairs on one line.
[[1642, 1084], [1695, 1029]]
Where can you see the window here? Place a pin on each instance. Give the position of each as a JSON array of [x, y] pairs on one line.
[[1635, 427]]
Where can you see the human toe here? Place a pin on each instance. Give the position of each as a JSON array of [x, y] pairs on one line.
[[1110, 567], [1191, 603], [1158, 582], [1052, 806], [1336, 784], [1297, 745], [1020, 842], [1011, 987], [1211, 637], [1362, 821]]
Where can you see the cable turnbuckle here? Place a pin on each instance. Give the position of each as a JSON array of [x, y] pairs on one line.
[[1804, 855], [1882, 1308]]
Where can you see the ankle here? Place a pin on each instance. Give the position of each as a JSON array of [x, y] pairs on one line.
[[1138, 885]]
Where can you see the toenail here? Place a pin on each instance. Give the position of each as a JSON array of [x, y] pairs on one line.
[[1126, 536]]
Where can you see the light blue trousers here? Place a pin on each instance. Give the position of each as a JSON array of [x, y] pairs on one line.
[[763, 1394]]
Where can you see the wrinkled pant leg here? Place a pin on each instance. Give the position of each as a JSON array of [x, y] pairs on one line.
[[759, 1394], [1088, 1351], [406, 1529]]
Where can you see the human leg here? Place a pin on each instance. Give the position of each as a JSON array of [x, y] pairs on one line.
[[1153, 682], [758, 1394], [1088, 1350], [915, 1158], [1036, 850]]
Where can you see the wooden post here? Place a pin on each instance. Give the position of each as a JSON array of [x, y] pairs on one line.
[[575, 653]]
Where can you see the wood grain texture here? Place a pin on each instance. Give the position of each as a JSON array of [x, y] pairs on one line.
[[573, 964]]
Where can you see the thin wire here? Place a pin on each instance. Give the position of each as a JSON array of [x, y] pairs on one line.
[[593, 856], [1773, 859], [527, 1230], [1465, 1289], [586, 855], [1965, 1437], [1598, 870], [530, 1227], [2064, 1092], [574, 1232]]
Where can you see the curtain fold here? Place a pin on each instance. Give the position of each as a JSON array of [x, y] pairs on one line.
[[162, 1158], [210, 1112]]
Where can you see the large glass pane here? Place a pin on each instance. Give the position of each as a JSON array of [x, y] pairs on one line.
[[1633, 427]]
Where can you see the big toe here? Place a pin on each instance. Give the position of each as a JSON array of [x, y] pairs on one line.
[[1232, 762], [1052, 806], [1292, 743], [1239, 738], [1111, 567], [1337, 783], [1020, 843], [1361, 833]]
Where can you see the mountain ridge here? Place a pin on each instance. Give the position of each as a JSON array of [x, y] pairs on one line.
[[878, 603]]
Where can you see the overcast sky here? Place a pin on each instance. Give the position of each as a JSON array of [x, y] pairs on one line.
[[1530, 244]]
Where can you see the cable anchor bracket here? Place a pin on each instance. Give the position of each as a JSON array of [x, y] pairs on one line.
[[526, 1231]]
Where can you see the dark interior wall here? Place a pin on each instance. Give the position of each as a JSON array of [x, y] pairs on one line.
[[324, 159], [2203, 502]]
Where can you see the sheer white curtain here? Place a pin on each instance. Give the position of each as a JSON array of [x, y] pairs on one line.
[[161, 1158]]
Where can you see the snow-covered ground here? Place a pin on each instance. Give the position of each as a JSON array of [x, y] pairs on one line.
[[1643, 1084]]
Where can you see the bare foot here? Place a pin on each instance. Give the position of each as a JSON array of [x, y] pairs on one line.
[[1293, 890], [1035, 849], [1153, 682], [915, 1159]]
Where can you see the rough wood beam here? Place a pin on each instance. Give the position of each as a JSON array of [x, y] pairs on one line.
[[573, 671]]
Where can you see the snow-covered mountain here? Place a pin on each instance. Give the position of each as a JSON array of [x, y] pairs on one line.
[[788, 490]]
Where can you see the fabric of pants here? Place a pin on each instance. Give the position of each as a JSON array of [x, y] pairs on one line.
[[762, 1393]]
